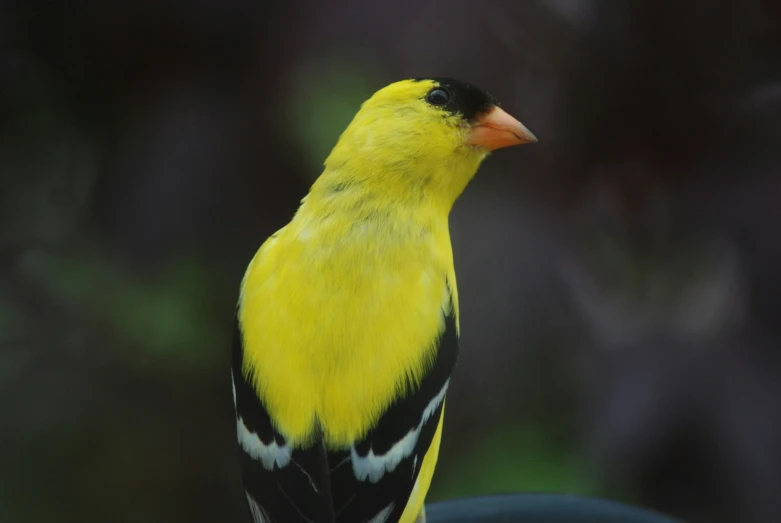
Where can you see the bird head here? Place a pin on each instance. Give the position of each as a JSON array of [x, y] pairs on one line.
[[424, 135]]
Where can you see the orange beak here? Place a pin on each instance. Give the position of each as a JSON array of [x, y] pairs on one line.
[[496, 129]]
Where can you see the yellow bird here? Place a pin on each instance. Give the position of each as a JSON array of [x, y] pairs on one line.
[[347, 321]]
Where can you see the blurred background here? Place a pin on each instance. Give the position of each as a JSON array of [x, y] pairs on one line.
[[619, 281]]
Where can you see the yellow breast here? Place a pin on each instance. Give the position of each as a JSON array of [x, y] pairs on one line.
[[334, 329]]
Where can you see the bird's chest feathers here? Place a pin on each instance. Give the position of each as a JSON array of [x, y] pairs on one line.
[[333, 331]]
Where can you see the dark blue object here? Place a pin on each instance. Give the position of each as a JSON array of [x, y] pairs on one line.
[[539, 508]]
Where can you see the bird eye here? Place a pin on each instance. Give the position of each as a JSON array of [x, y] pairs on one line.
[[438, 97]]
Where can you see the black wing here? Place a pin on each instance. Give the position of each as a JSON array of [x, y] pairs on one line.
[[371, 481]]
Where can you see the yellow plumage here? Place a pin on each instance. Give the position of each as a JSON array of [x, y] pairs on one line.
[[312, 335], [341, 310]]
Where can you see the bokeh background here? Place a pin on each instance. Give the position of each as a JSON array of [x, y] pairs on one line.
[[620, 280]]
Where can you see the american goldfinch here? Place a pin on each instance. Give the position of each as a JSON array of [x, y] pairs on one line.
[[347, 321]]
